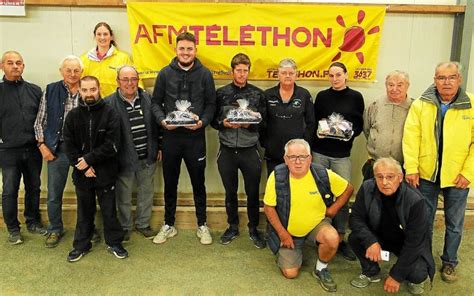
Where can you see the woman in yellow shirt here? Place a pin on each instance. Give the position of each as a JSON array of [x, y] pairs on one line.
[[104, 59]]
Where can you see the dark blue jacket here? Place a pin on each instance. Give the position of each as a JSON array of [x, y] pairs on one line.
[[128, 156], [283, 196], [56, 95], [411, 211], [286, 121], [19, 102]]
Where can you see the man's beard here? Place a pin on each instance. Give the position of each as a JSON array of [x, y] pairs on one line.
[[90, 100], [185, 65]]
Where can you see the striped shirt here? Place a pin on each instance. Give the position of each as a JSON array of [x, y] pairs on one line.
[[137, 125], [71, 102]]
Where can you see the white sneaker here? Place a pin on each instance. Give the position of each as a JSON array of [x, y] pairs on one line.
[[204, 235], [166, 232]]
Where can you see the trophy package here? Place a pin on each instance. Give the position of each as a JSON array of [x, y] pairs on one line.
[[243, 115], [182, 116], [335, 127]]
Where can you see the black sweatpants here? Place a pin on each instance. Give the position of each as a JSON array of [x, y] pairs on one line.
[[271, 164], [86, 208], [419, 270], [229, 161], [192, 148], [368, 169]]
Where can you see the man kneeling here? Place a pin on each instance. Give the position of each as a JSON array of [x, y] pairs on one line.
[[389, 215], [299, 204]]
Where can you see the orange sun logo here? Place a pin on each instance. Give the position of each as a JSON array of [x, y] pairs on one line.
[[354, 37]]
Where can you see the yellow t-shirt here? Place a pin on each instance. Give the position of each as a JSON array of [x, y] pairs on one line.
[[307, 208]]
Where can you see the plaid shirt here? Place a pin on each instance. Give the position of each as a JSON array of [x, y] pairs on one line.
[[72, 101]]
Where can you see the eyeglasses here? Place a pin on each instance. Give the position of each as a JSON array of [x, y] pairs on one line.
[[389, 178], [126, 80], [450, 78], [294, 158]]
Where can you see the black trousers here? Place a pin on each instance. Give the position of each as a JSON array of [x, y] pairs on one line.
[[368, 169], [248, 160], [419, 270], [192, 148], [86, 208], [271, 164], [26, 162]]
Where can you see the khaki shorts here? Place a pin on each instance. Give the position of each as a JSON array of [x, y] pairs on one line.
[[293, 258]]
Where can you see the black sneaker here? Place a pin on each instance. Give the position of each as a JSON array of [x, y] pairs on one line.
[[255, 236], [325, 279], [38, 228], [15, 238], [118, 251], [147, 232], [95, 237], [345, 250], [230, 234], [75, 255]]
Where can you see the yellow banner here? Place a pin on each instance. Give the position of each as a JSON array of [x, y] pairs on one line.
[[313, 35]]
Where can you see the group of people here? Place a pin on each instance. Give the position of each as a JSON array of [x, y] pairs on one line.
[[99, 120], [433, 137]]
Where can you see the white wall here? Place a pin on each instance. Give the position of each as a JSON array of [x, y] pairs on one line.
[[414, 43]]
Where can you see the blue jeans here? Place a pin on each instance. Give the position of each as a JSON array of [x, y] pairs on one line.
[[454, 209], [58, 171], [144, 178], [343, 167], [26, 162]]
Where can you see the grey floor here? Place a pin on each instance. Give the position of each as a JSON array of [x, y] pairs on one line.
[[182, 266]]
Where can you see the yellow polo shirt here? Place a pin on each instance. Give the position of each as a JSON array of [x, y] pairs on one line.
[[307, 208]]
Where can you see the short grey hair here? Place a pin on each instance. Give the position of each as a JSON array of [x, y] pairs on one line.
[[127, 66], [297, 142], [450, 64], [287, 63], [390, 162], [71, 58], [4, 56], [398, 73]]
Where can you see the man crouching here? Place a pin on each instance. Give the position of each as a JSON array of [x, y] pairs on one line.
[[299, 203], [389, 215]]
